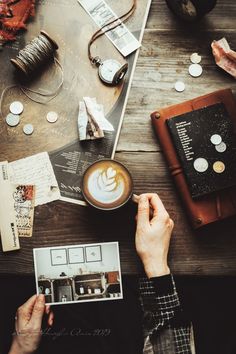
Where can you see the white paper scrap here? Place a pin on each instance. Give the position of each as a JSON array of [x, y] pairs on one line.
[[36, 170], [82, 121], [102, 14], [97, 112]]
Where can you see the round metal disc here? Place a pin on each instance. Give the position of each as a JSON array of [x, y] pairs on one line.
[[52, 117], [12, 119], [28, 129], [221, 147], [16, 107], [219, 166], [200, 164], [179, 86], [195, 58], [216, 139], [195, 70]]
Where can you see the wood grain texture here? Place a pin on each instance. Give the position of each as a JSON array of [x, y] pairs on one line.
[[164, 58]]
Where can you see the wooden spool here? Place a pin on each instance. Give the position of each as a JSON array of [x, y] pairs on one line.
[[17, 64]]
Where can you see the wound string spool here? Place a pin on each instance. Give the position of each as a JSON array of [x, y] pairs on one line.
[[35, 54], [30, 60]]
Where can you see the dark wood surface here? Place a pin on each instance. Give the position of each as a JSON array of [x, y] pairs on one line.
[[164, 58]]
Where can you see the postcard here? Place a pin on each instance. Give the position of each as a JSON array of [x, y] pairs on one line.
[[78, 273]]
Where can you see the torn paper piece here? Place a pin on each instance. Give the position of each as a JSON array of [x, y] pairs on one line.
[[36, 170], [24, 209], [97, 112], [91, 120], [225, 57], [82, 121], [93, 129], [8, 227]]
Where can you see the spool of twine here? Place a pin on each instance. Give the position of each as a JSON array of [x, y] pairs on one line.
[[35, 54]]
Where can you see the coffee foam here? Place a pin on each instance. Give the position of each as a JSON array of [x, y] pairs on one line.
[[107, 184]]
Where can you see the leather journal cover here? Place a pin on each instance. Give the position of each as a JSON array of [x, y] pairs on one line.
[[211, 207]]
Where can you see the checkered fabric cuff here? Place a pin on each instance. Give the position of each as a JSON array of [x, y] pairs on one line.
[[159, 292], [158, 286]]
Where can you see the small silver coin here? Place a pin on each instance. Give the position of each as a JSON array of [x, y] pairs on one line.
[[221, 147], [52, 117], [28, 129], [195, 58], [179, 86], [12, 119], [195, 70], [200, 164], [216, 139], [16, 107]]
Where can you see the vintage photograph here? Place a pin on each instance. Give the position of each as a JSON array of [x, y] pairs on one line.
[[78, 273]]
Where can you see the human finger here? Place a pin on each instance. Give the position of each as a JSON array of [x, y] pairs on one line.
[[50, 318], [47, 309], [143, 211], [24, 312], [38, 311], [158, 207]]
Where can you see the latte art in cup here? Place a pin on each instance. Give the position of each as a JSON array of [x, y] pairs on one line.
[[107, 184]]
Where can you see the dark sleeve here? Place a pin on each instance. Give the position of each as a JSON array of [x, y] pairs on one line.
[[163, 317]]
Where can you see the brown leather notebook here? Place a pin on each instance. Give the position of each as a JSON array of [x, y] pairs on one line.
[[211, 207]]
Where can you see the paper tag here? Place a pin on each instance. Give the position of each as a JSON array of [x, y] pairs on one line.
[[8, 226], [24, 209], [102, 14]]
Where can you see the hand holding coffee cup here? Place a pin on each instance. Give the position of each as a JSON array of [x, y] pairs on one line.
[[107, 185]]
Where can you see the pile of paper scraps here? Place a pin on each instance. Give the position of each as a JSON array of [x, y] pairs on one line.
[[225, 57], [91, 120]]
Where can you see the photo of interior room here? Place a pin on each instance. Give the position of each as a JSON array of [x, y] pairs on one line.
[[78, 273]]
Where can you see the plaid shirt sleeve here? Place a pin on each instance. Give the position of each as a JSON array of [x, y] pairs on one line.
[[165, 329]]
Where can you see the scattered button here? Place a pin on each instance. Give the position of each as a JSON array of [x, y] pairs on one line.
[[200, 164], [216, 139], [195, 70], [195, 58], [179, 86], [52, 117], [28, 129], [221, 147], [219, 166], [12, 119], [16, 107]]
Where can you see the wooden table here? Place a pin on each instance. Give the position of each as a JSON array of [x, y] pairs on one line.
[[164, 58]]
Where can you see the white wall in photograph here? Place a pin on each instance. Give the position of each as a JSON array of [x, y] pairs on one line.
[[109, 263]]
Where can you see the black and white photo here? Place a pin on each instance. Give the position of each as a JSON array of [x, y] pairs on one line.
[[78, 273]]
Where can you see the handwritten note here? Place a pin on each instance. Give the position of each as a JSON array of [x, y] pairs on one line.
[[36, 170]]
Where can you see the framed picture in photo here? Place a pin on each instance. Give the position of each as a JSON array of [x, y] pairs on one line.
[[58, 256], [76, 255], [93, 253]]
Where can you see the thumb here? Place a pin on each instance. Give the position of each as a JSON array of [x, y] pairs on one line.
[[143, 211], [38, 311]]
